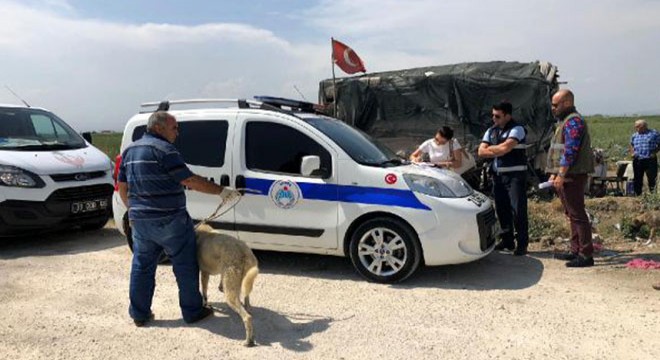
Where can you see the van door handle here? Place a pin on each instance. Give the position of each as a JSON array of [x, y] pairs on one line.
[[224, 180], [240, 183]]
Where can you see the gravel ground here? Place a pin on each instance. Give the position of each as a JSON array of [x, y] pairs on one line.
[[64, 296]]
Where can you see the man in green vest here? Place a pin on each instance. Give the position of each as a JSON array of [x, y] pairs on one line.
[[570, 160]]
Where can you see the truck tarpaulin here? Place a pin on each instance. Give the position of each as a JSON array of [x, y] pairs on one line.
[[405, 107]]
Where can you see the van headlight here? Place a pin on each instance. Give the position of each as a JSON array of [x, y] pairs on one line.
[[17, 177], [446, 188]]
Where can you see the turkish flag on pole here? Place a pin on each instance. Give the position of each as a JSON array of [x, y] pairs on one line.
[[346, 58]]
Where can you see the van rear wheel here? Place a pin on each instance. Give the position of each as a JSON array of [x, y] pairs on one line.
[[385, 250]]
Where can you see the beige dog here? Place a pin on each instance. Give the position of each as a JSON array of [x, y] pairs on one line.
[[650, 219], [229, 257]]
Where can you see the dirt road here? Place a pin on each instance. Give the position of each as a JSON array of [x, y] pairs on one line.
[[65, 297]]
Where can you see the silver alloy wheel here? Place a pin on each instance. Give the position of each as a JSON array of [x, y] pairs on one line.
[[382, 251]]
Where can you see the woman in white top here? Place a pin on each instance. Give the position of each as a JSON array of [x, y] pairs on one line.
[[439, 151]]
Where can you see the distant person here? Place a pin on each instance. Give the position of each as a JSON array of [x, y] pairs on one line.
[[644, 146], [443, 149], [570, 161], [504, 143], [152, 176]]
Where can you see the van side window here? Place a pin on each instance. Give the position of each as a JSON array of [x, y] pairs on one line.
[[279, 148], [201, 143]]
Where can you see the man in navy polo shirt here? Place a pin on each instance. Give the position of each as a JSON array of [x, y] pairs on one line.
[[504, 142], [644, 145], [151, 180]]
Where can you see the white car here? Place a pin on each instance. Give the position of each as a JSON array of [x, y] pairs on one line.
[[50, 177], [318, 185]]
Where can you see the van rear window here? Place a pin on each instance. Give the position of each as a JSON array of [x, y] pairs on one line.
[[201, 143]]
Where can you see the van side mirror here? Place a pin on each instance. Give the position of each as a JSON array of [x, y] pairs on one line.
[[87, 136], [310, 165]]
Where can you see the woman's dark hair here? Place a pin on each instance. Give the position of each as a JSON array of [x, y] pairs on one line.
[[446, 132]]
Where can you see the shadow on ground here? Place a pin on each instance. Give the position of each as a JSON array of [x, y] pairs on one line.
[[60, 243], [290, 331], [613, 258], [494, 272]]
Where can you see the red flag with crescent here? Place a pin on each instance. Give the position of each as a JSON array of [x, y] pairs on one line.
[[346, 58]]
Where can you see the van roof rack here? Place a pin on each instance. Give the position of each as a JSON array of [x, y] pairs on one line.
[[294, 105], [262, 102], [165, 105]]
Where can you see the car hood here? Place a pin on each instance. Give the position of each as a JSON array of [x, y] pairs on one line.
[[57, 162], [448, 177]]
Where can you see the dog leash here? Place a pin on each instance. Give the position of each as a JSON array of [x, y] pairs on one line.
[[233, 199]]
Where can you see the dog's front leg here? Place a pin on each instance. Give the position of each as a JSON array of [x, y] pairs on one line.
[[651, 236], [205, 286]]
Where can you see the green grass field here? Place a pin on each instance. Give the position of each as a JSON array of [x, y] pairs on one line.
[[610, 133], [109, 143], [613, 133]]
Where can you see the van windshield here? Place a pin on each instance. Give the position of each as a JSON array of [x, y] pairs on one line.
[[25, 129], [359, 146]]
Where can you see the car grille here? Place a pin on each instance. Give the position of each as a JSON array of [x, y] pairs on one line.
[[82, 193], [77, 176], [486, 220]]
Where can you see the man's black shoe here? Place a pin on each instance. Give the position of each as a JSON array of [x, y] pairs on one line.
[[502, 246], [141, 323], [520, 252], [566, 256], [580, 262], [206, 312]]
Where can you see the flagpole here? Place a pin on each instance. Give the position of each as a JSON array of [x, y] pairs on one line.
[[334, 81]]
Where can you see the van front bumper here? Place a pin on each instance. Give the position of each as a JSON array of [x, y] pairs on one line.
[[60, 210], [464, 230]]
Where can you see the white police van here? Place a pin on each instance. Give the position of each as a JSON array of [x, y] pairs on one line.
[[321, 186], [50, 177]]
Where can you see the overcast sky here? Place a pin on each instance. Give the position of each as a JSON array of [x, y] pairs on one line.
[[94, 61]]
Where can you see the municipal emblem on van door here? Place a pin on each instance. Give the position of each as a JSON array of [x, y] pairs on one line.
[[285, 194]]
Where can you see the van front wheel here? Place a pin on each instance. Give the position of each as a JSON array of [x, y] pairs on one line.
[[385, 250]]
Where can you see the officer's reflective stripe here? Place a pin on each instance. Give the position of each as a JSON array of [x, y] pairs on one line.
[[521, 146], [557, 146], [511, 169], [141, 162]]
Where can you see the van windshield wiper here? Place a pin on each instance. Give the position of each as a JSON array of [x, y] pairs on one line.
[[392, 161]]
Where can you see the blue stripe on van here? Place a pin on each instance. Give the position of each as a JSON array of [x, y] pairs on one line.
[[346, 193]]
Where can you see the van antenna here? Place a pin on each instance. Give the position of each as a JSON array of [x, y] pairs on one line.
[[19, 98], [303, 96]]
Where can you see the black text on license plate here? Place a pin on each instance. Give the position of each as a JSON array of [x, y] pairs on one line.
[[79, 207]]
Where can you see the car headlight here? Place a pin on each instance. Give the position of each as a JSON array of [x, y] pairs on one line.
[[17, 177], [449, 187]]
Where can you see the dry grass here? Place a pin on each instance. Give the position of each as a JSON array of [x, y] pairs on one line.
[[547, 219]]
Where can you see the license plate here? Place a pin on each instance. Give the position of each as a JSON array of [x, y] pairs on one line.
[[80, 207]]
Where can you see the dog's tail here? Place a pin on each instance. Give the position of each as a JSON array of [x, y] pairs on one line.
[[248, 282]]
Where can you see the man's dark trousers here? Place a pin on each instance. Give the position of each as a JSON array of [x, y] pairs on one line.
[[647, 166], [572, 198], [510, 192]]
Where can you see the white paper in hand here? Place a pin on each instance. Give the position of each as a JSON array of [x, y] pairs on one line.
[[425, 164]]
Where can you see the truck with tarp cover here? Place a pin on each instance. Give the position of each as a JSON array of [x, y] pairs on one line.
[[403, 108]]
